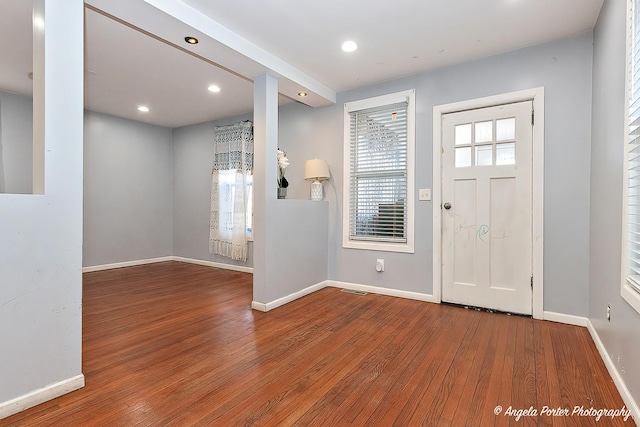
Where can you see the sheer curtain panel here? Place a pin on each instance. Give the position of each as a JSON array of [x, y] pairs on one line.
[[230, 180]]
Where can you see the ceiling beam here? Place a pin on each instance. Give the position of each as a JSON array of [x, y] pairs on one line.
[[205, 25]]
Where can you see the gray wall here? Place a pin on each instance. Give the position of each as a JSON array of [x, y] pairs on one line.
[[621, 336], [41, 249], [564, 69], [299, 246], [16, 143], [127, 190], [192, 162]]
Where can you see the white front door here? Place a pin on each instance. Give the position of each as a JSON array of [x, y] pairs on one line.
[[487, 207]]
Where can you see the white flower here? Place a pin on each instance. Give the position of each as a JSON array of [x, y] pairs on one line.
[[283, 162]]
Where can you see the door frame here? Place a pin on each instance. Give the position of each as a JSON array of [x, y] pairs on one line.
[[536, 95]]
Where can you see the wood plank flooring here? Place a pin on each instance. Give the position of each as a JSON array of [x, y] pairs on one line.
[[178, 344]]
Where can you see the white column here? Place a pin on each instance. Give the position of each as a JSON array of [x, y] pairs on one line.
[[265, 134]]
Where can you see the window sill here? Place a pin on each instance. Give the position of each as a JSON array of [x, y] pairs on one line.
[[379, 246], [631, 296]]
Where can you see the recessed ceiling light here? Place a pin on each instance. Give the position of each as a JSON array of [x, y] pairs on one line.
[[214, 89], [191, 40], [302, 94], [349, 46], [143, 109]]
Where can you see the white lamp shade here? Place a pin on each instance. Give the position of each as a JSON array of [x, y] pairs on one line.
[[316, 169]]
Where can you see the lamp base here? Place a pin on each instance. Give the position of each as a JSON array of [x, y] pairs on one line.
[[316, 191]]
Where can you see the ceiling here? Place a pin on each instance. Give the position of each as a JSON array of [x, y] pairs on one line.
[[135, 52]]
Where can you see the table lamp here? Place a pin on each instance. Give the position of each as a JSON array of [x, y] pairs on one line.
[[316, 170]]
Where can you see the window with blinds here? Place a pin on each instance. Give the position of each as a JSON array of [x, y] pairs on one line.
[[380, 146], [631, 285]]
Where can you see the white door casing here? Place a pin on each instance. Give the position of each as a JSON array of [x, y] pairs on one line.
[[487, 186]]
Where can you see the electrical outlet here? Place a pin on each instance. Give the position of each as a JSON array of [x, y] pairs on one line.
[[379, 265], [424, 194], [609, 312]]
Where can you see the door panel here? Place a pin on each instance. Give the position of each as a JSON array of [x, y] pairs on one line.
[[486, 183], [502, 251], [465, 220]]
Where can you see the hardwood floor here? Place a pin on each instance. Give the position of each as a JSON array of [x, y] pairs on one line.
[[178, 344]]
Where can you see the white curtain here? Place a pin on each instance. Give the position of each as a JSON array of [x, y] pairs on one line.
[[230, 195]]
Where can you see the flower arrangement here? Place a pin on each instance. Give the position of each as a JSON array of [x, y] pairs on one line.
[[283, 162]]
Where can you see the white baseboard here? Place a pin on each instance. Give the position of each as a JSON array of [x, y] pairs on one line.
[[628, 399], [260, 306], [42, 395], [125, 264], [569, 319], [383, 291], [164, 259], [214, 264]]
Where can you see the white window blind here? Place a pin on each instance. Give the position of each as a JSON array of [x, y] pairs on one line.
[[633, 153], [378, 173], [630, 290]]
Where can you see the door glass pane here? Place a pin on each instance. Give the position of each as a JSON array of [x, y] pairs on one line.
[[484, 155], [463, 157], [484, 131], [506, 154], [505, 129], [463, 134]]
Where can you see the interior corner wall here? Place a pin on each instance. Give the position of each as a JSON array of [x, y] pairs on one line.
[[620, 336], [128, 200], [147, 191], [16, 143], [41, 250], [563, 68], [193, 151]]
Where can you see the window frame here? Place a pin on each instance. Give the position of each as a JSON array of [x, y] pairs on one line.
[[378, 101], [249, 219], [629, 287], [249, 195]]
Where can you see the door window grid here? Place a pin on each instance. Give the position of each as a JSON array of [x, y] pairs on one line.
[[485, 143]]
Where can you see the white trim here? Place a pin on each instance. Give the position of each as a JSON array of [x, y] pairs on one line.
[[125, 264], [629, 294], [536, 95], [568, 319], [382, 291], [409, 246], [626, 395], [260, 306], [39, 396], [223, 266], [344, 285]]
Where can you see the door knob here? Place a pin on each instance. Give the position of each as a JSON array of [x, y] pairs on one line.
[[447, 206]]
